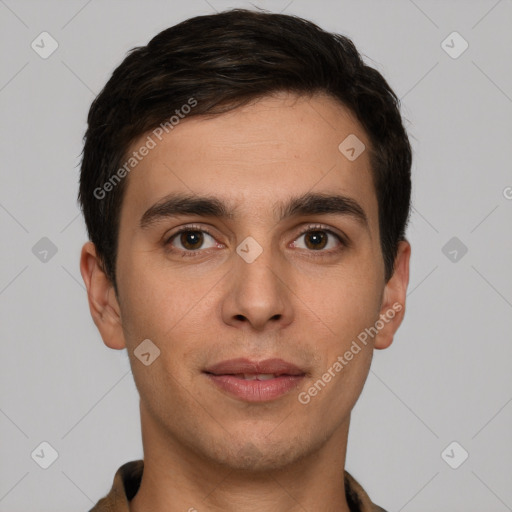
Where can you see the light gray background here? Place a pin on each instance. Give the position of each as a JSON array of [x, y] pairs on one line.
[[447, 376]]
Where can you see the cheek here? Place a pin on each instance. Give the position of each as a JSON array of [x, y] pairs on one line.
[[347, 300], [155, 301], [172, 314]]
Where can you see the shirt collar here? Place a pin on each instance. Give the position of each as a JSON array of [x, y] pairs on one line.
[[128, 477]]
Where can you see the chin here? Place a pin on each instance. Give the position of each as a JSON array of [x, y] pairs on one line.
[[261, 455]]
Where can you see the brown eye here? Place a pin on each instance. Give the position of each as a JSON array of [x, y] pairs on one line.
[[191, 240], [316, 239], [319, 240]]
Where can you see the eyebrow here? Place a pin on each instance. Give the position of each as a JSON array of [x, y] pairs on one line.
[[178, 204]]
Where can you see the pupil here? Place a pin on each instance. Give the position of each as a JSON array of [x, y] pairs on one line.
[[318, 236], [191, 238]]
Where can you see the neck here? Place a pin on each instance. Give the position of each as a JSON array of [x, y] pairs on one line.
[[176, 479]]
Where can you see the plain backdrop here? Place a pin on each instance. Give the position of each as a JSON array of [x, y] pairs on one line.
[[447, 376]]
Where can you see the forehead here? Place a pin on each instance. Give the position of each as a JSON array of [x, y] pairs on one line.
[[254, 156]]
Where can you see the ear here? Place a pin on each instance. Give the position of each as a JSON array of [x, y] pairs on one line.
[[393, 303], [103, 304]]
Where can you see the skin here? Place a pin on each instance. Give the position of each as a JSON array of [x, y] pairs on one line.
[[203, 449]]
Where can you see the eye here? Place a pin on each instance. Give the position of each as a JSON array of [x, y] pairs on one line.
[[190, 239], [320, 239]]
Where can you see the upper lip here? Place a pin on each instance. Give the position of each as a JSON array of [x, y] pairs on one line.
[[246, 366]]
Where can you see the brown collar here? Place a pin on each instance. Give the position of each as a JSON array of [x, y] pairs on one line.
[[128, 477]]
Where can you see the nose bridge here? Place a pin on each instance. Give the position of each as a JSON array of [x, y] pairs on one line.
[[257, 264]]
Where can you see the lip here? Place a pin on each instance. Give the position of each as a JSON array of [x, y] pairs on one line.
[[227, 376], [242, 365]]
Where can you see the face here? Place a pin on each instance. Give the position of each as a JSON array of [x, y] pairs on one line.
[[284, 283]]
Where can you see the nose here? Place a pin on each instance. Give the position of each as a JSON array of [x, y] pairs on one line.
[[258, 295]]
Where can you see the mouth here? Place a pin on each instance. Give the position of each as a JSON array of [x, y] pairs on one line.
[[255, 376], [255, 381]]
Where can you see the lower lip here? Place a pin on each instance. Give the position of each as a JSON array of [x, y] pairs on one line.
[[256, 390]]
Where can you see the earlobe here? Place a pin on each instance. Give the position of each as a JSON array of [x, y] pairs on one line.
[[103, 304], [393, 303]]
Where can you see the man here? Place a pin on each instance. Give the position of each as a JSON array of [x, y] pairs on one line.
[[245, 184]]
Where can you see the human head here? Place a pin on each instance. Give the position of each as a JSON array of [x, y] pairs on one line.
[[211, 64], [248, 166]]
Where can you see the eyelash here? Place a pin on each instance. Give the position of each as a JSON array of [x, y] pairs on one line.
[[312, 227]]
